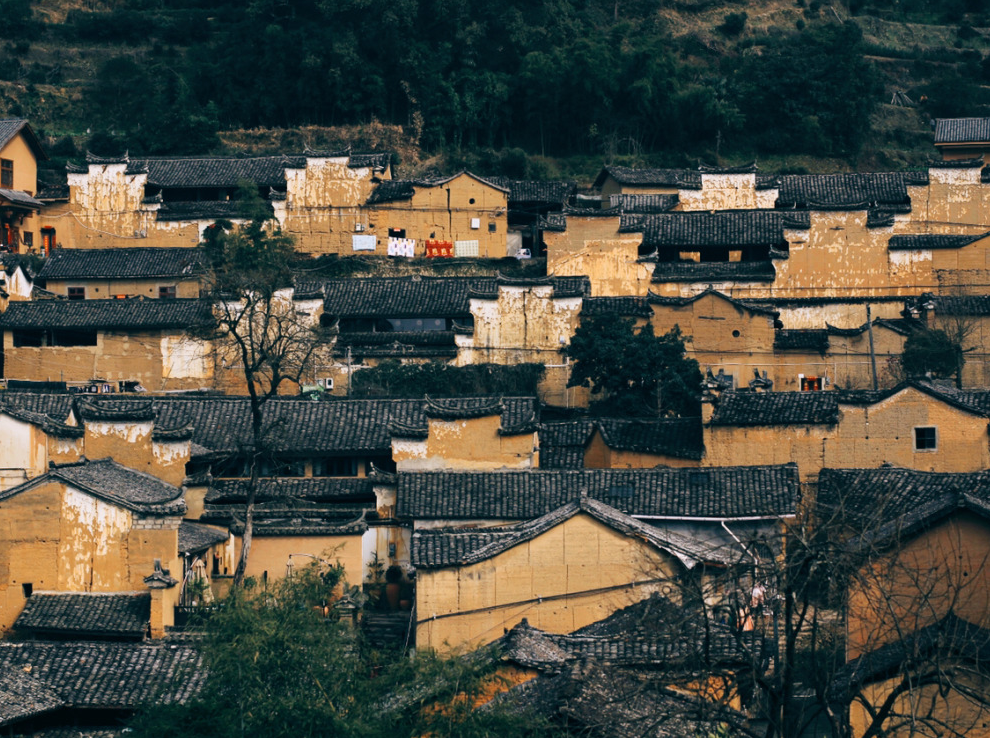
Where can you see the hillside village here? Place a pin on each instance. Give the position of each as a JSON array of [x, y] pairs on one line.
[[822, 489]]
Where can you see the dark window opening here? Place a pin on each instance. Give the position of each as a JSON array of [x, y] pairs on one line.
[[76, 293], [166, 292], [27, 588], [492, 227], [280, 467], [73, 338], [396, 232], [7, 174], [926, 439], [235, 466], [29, 338], [28, 238], [335, 467], [811, 384]]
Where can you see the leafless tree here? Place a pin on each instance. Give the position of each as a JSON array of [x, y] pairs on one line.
[[257, 332]]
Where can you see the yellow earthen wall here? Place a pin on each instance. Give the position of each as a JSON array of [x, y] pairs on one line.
[[18, 151], [863, 438], [599, 456], [271, 554], [116, 357], [925, 712], [944, 569], [574, 558], [58, 538], [101, 289], [445, 212], [593, 247]]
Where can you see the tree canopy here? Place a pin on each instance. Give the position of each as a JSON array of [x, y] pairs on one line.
[[932, 352], [280, 664], [635, 372]]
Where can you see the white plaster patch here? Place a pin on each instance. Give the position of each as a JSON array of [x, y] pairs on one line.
[[967, 175], [408, 448], [130, 432], [170, 451], [185, 358], [908, 258]]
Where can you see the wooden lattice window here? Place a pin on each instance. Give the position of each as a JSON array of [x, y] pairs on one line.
[[7, 174]]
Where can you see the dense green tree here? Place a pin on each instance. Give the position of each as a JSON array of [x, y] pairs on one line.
[[811, 92], [394, 379], [932, 352], [281, 665], [634, 372]]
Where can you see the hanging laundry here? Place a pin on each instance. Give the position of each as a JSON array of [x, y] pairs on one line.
[[404, 247]]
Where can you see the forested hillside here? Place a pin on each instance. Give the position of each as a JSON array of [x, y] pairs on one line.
[[517, 87]]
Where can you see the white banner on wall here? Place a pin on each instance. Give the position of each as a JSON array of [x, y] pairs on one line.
[[364, 243]]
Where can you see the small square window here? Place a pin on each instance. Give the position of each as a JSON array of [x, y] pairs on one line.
[[166, 292], [76, 293], [926, 438]]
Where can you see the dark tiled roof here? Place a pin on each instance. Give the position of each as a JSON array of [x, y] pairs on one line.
[[689, 230], [962, 130], [400, 343], [638, 307], [114, 483], [222, 424], [136, 263], [53, 192], [643, 204], [651, 632], [126, 410], [751, 307], [380, 160], [203, 210], [135, 313], [16, 197], [399, 297], [927, 646], [562, 445], [292, 517], [530, 192], [317, 489], [438, 548], [650, 177], [47, 423], [725, 492], [10, 127], [931, 241], [603, 700], [714, 271], [392, 190], [23, 696], [87, 614], [801, 340], [110, 675], [217, 171], [964, 305], [842, 190], [777, 408], [195, 538], [680, 438], [871, 498]]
